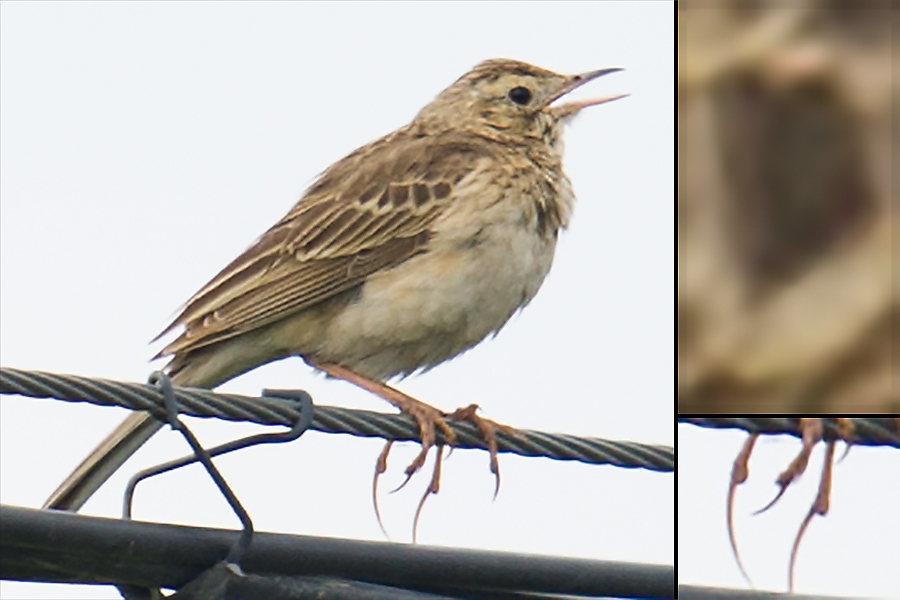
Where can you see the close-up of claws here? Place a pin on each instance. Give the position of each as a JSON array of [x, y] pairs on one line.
[[811, 430]]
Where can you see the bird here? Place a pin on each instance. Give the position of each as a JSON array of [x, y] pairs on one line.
[[404, 254]]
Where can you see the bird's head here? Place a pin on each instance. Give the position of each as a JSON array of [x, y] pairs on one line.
[[509, 99]]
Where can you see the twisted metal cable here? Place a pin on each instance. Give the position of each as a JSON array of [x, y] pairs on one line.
[[883, 431], [329, 419]]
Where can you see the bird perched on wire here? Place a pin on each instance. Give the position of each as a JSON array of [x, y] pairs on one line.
[[404, 254]]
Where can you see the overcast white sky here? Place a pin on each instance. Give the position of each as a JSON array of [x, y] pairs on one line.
[[145, 145]]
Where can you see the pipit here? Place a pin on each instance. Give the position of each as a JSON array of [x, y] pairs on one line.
[[404, 254]]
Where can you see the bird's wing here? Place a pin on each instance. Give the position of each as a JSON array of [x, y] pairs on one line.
[[370, 211]]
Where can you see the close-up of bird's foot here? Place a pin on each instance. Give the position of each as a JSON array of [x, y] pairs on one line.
[[487, 428], [427, 417], [811, 433]]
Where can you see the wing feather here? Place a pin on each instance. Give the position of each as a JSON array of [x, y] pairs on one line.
[[370, 211]]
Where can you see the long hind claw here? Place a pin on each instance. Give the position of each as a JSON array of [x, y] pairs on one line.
[[739, 472], [819, 507], [433, 487], [380, 467]]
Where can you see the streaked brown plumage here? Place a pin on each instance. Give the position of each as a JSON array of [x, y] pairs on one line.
[[404, 254]]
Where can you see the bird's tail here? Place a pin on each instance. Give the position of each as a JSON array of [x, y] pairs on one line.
[[100, 464], [205, 370], [205, 367]]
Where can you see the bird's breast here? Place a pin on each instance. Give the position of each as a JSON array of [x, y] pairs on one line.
[[477, 271]]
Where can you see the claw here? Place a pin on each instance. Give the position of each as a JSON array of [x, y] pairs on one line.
[[812, 433], [488, 430], [433, 487], [405, 481], [819, 507], [380, 467], [771, 502], [426, 416], [845, 427], [739, 473], [428, 419]]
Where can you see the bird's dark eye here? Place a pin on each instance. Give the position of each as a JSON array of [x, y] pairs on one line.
[[520, 95]]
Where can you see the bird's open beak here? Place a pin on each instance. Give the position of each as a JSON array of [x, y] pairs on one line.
[[572, 108]]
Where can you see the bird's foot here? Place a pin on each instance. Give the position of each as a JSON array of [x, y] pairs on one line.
[[812, 429], [811, 434], [488, 430], [427, 419]]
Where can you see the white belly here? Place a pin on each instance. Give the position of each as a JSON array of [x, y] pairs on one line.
[[444, 301]]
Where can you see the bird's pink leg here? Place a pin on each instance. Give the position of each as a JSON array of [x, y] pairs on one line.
[[427, 417]]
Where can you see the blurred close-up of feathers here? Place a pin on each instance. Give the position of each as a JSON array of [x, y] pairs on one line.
[[787, 286]]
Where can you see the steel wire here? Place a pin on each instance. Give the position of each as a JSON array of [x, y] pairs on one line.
[[329, 419], [869, 431]]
